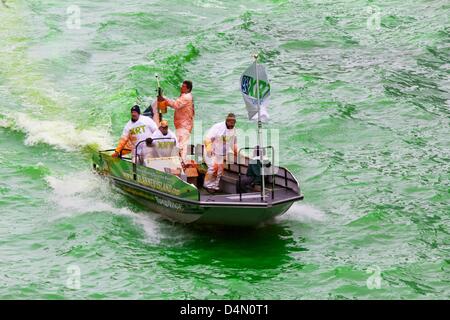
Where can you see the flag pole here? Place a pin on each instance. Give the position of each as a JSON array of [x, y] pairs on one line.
[[259, 147]]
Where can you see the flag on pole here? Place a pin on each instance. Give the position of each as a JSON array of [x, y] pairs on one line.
[[249, 92]]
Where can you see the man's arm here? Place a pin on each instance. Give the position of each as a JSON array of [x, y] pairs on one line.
[[179, 103], [209, 140], [122, 141]]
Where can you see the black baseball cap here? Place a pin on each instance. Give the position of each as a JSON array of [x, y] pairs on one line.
[[136, 108]]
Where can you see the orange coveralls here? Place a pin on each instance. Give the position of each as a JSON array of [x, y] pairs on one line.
[[183, 120]]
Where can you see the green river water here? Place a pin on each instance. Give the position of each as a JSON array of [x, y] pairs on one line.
[[360, 96]]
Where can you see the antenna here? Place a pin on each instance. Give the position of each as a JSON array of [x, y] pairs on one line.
[[259, 147]]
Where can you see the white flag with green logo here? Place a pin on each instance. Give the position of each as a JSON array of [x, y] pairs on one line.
[[249, 92]]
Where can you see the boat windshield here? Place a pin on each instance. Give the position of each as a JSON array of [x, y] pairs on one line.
[[162, 156], [160, 148], [165, 164]]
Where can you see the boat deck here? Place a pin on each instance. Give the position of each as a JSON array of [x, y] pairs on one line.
[[228, 192], [280, 194]]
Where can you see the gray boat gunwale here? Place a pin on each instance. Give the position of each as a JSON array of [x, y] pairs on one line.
[[207, 203]]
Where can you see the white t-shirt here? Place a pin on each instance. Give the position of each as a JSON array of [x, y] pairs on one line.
[[223, 139], [140, 130], [165, 145]]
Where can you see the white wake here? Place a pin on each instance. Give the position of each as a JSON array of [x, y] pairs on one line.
[[82, 193], [61, 134], [303, 213]]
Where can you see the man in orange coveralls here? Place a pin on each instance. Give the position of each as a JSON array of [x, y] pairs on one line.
[[184, 116]]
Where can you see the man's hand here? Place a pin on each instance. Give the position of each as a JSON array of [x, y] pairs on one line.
[[115, 154], [149, 142]]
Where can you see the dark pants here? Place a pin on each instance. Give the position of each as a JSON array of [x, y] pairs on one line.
[[247, 184]]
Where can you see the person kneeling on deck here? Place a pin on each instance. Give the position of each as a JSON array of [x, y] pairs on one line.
[[220, 140], [138, 129], [163, 142], [253, 176]]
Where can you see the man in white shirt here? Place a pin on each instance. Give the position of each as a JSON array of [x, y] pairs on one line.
[[220, 140], [163, 142], [138, 129]]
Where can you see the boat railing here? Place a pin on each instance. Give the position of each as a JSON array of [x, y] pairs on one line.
[[258, 151]]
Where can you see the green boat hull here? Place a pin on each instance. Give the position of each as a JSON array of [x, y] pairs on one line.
[[182, 202]]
